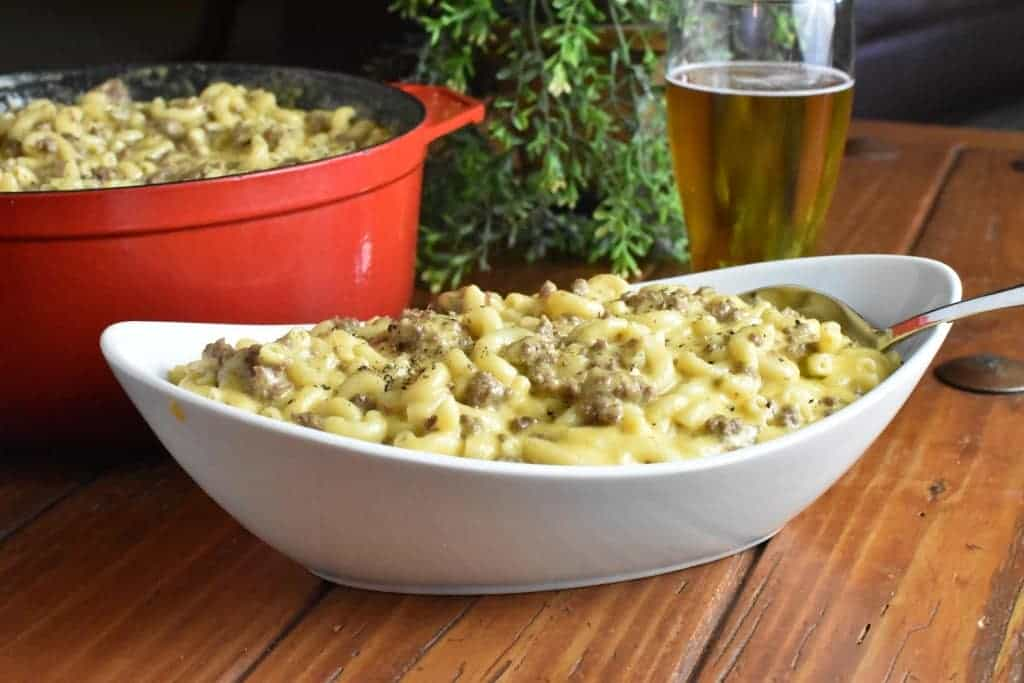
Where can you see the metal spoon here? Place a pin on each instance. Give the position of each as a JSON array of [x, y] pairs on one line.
[[988, 373]]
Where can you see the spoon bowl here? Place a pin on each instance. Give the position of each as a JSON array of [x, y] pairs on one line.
[[815, 304]]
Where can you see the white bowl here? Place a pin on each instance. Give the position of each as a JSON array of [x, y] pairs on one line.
[[387, 518]]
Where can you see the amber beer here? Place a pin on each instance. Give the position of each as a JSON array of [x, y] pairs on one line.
[[756, 147]]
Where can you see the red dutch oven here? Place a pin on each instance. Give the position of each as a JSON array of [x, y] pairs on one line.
[[293, 244]]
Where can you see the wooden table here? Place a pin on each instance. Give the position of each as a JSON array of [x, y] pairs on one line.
[[911, 568]]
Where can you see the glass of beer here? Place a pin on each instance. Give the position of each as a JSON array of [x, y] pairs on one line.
[[759, 100]]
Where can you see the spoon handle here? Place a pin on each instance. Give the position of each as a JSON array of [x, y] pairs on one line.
[[1004, 298]]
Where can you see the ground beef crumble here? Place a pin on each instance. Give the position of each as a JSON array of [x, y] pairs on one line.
[[265, 383], [733, 433], [363, 402], [520, 424], [309, 420], [483, 389], [723, 310], [470, 425], [218, 351], [659, 298]]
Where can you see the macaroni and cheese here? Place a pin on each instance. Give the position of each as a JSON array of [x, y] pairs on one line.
[[108, 140], [599, 374]]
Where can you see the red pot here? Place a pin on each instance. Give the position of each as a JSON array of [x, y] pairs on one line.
[[294, 244]]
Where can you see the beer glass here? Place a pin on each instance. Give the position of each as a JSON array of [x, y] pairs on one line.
[[759, 100]]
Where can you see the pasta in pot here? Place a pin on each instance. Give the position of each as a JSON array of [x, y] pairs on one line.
[[594, 375], [108, 140]]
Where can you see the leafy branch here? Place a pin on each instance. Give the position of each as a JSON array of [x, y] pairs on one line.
[[573, 160]]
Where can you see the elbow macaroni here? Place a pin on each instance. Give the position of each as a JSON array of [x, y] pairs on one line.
[[598, 375], [107, 140]]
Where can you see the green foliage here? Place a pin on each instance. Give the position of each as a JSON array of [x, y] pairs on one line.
[[573, 160]]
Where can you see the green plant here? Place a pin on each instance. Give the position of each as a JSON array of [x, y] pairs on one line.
[[573, 160]]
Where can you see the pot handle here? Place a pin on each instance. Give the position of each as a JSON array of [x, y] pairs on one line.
[[447, 110]]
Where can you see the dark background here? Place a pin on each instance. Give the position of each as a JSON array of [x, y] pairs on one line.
[[342, 35], [939, 61]]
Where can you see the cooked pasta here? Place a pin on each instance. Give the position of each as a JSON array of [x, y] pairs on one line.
[[108, 140], [599, 374]]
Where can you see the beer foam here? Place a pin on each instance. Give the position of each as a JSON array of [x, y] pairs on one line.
[[765, 79]]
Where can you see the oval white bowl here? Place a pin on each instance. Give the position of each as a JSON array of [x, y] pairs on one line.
[[387, 518]]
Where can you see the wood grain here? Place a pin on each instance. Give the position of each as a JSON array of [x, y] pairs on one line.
[[649, 630], [912, 567], [140, 576], [915, 133], [639, 630], [355, 635], [30, 484], [885, 194]]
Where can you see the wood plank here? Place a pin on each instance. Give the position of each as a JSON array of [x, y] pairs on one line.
[[650, 630], [886, 190], [915, 133], [31, 483], [140, 576], [638, 630], [912, 567], [355, 635]]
